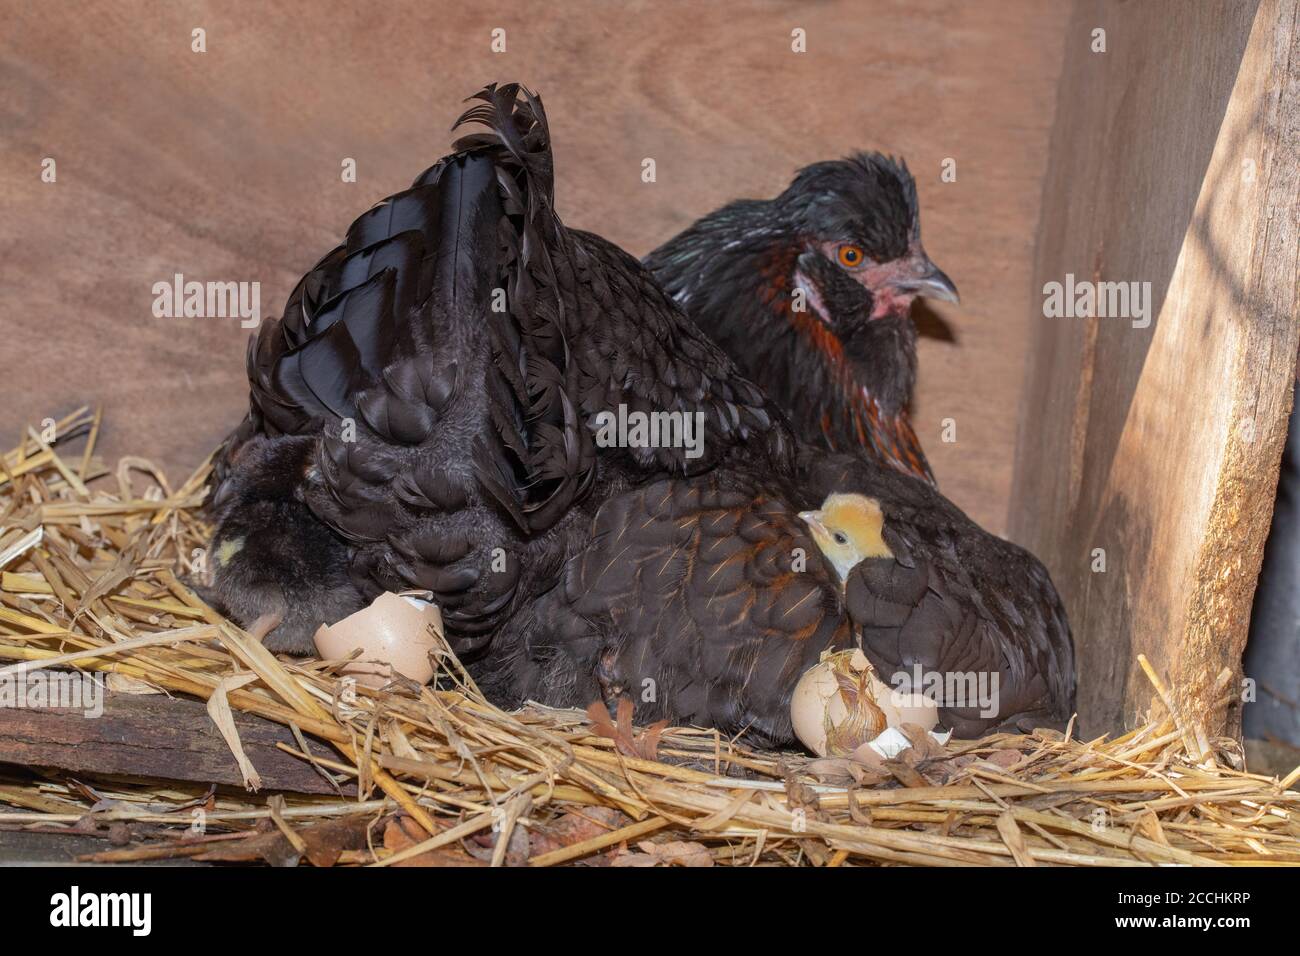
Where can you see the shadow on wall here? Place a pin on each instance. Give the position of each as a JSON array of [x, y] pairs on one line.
[[1272, 656]]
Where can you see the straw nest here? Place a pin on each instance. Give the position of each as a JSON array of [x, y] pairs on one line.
[[93, 562]]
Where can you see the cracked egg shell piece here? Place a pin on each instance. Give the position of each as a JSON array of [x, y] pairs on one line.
[[395, 633]]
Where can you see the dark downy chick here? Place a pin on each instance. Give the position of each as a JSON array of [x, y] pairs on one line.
[[810, 294]]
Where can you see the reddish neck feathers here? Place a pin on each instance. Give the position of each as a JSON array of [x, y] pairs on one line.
[[891, 435]]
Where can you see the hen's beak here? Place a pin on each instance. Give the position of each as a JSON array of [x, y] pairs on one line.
[[929, 281]]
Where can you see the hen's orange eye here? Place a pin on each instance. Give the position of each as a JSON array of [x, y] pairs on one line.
[[850, 256]]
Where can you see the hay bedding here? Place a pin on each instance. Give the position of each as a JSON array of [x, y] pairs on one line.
[[92, 563]]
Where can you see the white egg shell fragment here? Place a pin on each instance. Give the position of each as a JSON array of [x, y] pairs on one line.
[[892, 742], [840, 704], [395, 634]]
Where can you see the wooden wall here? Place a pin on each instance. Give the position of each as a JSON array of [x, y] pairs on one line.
[[1173, 161], [225, 165]]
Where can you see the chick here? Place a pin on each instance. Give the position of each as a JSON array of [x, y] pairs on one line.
[[842, 704], [849, 528]]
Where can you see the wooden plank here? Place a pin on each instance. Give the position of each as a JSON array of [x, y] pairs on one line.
[[1174, 162], [156, 737]]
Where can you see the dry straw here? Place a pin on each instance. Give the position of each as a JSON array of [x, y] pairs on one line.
[[91, 570]]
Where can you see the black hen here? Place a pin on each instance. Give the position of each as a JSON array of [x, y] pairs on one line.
[[810, 294], [474, 372], [419, 415]]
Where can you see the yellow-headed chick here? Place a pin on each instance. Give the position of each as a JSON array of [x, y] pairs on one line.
[[848, 529]]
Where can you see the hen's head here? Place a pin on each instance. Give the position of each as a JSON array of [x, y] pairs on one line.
[[810, 294], [856, 230]]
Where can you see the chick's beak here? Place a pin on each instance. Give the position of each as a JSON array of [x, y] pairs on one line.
[[926, 279], [814, 521]]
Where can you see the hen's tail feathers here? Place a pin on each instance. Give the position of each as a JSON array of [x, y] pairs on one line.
[[473, 243], [427, 250], [538, 458]]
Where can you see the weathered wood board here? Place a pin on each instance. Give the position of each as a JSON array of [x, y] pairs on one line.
[[1174, 162], [157, 737]]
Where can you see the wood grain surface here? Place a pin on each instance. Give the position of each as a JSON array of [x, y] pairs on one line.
[[226, 165], [158, 737], [1175, 162]]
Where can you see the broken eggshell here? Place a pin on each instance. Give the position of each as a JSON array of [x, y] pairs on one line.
[[395, 634], [840, 704]]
